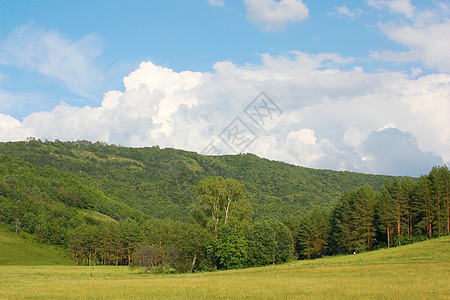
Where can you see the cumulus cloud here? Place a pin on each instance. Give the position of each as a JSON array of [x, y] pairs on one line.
[[273, 15], [216, 2], [333, 117], [47, 52], [11, 129], [424, 33], [392, 151]]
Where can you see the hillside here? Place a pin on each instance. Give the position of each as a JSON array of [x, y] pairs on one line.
[[122, 182], [21, 250], [417, 271]]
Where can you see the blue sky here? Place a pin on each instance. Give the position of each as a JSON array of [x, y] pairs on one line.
[[347, 74]]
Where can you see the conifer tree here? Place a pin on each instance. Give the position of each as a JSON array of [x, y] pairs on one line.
[[385, 211], [313, 234], [424, 206]]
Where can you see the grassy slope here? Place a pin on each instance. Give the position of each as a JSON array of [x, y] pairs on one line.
[[20, 250], [418, 271]]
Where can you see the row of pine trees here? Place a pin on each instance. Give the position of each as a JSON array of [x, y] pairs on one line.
[[404, 211]]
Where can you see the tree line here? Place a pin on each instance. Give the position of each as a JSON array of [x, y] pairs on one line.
[[403, 211], [221, 236]]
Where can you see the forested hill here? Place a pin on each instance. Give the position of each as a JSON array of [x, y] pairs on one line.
[[125, 182]]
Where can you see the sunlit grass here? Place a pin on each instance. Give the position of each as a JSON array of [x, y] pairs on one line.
[[22, 250], [419, 271]]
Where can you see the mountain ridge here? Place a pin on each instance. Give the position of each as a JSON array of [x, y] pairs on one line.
[[159, 182]]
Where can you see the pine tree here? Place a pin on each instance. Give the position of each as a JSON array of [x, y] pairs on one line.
[[385, 211], [439, 186], [313, 234], [353, 222], [363, 219], [424, 206], [398, 193]]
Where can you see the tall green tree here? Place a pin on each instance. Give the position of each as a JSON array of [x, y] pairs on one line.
[[439, 186], [132, 236], [229, 249], [424, 206], [313, 234], [353, 221], [269, 241], [262, 243], [220, 202], [399, 193], [386, 214]]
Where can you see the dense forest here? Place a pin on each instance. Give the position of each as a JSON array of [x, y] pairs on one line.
[[172, 210]]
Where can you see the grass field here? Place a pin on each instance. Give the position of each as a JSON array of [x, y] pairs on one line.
[[418, 271], [22, 250]]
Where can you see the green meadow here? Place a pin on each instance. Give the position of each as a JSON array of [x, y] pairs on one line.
[[416, 271], [22, 250]]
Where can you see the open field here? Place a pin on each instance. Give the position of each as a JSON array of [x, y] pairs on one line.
[[418, 271], [21, 250]]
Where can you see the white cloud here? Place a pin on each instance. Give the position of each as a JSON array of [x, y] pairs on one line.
[[354, 137], [424, 34], [387, 126], [396, 6], [216, 2], [305, 136], [332, 117], [344, 11], [12, 130], [274, 15], [428, 44], [47, 52]]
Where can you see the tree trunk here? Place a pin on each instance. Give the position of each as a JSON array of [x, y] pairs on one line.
[[399, 229], [388, 236], [410, 224], [227, 210], [193, 262], [448, 215], [429, 223], [430, 230], [439, 216], [448, 209]]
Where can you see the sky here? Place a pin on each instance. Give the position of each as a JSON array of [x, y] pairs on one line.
[[359, 86]]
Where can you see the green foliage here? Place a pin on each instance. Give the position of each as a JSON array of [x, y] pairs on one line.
[[159, 182], [182, 245], [229, 249], [386, 216], [313, 234], [353, 222], [220, 202], [269, 242]]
